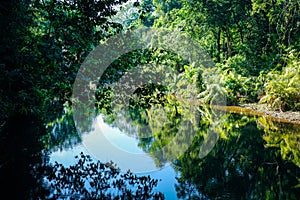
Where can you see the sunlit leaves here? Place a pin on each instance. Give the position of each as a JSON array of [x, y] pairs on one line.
[[282, 89]]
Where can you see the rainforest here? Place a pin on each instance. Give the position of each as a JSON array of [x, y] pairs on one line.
[[150, 99]]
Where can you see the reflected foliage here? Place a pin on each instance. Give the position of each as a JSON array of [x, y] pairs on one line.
[[254, 158], [87, 179], [239, 167], [61, 132], [285, 137], [163, 124], [27, 173]]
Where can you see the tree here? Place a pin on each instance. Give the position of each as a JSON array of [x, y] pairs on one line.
[[44, 46]]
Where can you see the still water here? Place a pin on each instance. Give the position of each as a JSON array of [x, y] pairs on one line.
[[252, 157], [202, 154], [107, 143]]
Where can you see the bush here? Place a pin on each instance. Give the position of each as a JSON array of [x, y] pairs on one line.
[[283, 88]]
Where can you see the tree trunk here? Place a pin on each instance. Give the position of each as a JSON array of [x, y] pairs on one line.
[[219, 45]]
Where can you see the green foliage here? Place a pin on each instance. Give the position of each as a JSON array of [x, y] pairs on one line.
[[249, 38], [178, 78], [211, 91], [127, 14], [147, 15], [240, 89], [282, 89], [227, 87], [283, 21], [164, 6], [239, 64], [212, 94], [44, 44]]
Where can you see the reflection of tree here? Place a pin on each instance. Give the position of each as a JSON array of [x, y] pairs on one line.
[[283, 136], [156, 106], [164, 127], [239, 167], [27, 174], [95, 180], [61, 132]]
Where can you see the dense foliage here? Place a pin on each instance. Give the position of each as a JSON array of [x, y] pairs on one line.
[[282, 89], [244, 38], [45, 42], [43, 45], [254, 44]]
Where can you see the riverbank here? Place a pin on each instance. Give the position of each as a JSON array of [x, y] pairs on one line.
[[260, 110], [263, 109]]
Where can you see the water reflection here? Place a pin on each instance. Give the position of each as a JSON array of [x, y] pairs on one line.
[[240, 166], [106, 143], [283, 136], [254, 158]]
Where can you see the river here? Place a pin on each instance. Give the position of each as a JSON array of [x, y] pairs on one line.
[[202, 154]]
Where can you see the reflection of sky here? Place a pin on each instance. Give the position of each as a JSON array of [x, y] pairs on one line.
[[106, 143], [102, 143], [67, 157], [118, 138]]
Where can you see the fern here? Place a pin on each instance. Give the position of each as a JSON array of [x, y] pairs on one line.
[[283, 88]]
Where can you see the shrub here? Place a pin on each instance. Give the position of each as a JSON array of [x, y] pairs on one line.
[[283, 88]]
